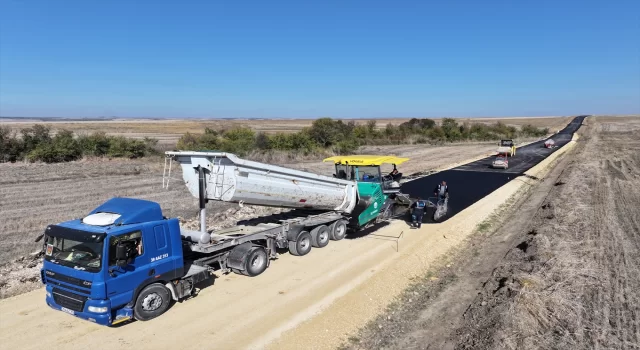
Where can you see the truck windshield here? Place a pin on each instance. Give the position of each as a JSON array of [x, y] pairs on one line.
[[78, 249]]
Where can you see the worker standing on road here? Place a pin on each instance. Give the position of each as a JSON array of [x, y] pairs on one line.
[[441, 191], [417, 212]]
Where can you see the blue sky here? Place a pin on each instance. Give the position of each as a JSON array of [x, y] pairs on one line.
[[327, 58]]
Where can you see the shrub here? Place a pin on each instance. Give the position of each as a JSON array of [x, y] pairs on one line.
[[33, 137], [262, 141], [96, 144], [238, 140], [11, 149], [120, 146], [37, 144], [62, 148], [346, 146], [328, 132], [328, 135]]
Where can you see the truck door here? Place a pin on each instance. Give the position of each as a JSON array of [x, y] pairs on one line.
[[122, 281], [162, 263]]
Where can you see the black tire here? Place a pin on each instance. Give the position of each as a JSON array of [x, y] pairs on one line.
[[152, 302], [338, 230], [302, 245], [256, 262], [320, 236]]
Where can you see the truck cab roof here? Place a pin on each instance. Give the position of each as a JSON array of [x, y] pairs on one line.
[[117, 212]]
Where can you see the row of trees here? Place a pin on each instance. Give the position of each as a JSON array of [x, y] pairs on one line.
[[38, 144], [340, 137]]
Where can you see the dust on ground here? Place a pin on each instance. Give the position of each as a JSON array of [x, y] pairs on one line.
[[561, 272]]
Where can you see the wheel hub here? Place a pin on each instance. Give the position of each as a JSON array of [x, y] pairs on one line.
[[151, 302], [304, 243], [258, 260]]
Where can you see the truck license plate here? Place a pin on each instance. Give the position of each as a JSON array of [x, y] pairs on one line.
[[67, 310]]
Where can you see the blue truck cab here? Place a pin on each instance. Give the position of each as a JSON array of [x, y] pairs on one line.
[[122, 261]]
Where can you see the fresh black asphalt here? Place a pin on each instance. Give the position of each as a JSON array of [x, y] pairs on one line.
[[471, 182]]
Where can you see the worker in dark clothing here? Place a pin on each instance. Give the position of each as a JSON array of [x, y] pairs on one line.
[[417, 212], [392, 174], [441, 191]]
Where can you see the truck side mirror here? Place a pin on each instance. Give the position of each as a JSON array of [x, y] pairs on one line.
[[124, 253]]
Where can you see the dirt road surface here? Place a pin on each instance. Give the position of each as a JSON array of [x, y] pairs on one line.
[[313, 302]]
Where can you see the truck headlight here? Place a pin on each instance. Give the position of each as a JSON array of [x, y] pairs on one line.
[[49, 294], [98, 310]]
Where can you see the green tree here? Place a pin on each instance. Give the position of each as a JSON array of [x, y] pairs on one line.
[[11, 148], [34, 136], [121, 147], [262, 141], [239, 140], [188, 142], [62, 148], [437, 134], [451, 129], [327, 132], [96, 144]]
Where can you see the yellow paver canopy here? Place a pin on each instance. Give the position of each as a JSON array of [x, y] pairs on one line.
[[366, 160]]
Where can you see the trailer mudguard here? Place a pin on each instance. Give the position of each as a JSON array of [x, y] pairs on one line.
[[294, 231], [238, 255]]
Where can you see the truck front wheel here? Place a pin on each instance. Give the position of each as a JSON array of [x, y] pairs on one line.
[[152, 302], [302, 245]]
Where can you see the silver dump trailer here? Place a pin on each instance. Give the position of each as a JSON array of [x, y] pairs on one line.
[[232, 179], [321, 206]]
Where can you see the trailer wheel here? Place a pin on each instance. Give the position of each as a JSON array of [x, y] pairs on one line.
[[302, 245], [152, 302], [338, 230], [320, 236], [256, 262]]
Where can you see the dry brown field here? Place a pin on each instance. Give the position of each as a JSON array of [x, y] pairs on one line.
[[169, 131]]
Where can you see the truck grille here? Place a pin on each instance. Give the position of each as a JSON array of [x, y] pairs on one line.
[[67, 279], [69, 300]]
